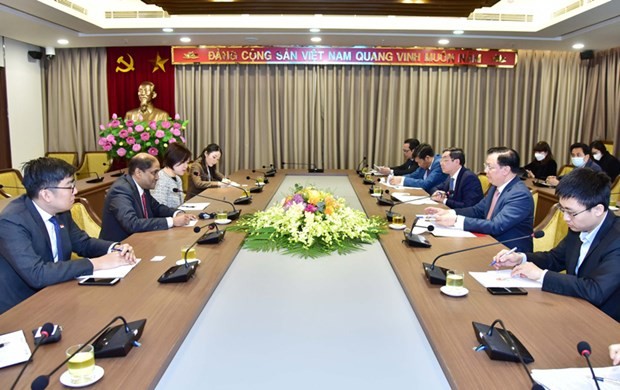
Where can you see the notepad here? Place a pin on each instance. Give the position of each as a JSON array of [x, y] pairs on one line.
[[118, 272], [194, 206], [15, 349]]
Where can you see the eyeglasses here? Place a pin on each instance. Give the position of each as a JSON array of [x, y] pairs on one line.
[[488, 167], [406, 150], [572, 214], [71, 187], [446, 159]]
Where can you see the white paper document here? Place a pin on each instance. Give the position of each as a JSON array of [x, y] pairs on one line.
[[118, 272], [502, 278], [413, 199], [194, 206], [578, 378], [440, 231], [14, 348]]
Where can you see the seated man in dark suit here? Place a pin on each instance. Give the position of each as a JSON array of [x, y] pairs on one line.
[[579, 158], [462, 188], [590, 252], [409, 165], [37, 236], [428, 175], [129, 207], [507, 212]]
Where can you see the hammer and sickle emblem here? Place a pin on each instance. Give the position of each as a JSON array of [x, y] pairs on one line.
[[128, 65]]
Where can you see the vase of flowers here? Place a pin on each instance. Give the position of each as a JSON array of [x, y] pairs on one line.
[[309, 223], [124, 139]]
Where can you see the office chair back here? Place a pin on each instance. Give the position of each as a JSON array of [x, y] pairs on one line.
[[70, 157], [555, 229], [565, 169], [93, 162], [535, 197], [615, 189], [12, 178], [484, 182]]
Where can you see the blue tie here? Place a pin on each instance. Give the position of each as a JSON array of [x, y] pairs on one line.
[[451, 184], [54, 221]]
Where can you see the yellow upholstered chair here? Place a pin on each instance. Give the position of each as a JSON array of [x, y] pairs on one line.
[[484, 181], [85, 218], [555, 229], [615, 189], [93, 162], [565, 169], [185, 180], [535, 197], [12, 178], [70, 157], [609, 145]]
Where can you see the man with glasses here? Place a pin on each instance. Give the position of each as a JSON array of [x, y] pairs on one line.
[[462, 188], [38, 235], [428, 175], [590, 252], [129, 206], [506, 213], [409, 165]]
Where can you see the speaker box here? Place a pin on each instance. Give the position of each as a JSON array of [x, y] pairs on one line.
[[586, 55], [116, 341], [35, 55]]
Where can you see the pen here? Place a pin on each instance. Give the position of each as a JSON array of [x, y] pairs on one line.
[[601, 379], [3, 344], [502, 256]]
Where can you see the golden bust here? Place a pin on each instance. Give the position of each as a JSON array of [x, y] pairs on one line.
[[146, 111]]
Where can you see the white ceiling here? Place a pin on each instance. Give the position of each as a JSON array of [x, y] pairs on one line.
[[595, 23]]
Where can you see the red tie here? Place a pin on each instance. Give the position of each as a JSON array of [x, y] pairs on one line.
[[493, 203], [144, 209]]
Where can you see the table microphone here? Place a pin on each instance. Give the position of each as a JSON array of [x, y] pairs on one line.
[[584, 350], [389, 214], [210, 237], [98, 179], [117, 174], [385, 201], [46, 331], [183, 272], [437, 275], [256, 188], [243, 199], [232, 215], [131, 337], [311, 167], [360, 170], [265, 175], [271, 172]]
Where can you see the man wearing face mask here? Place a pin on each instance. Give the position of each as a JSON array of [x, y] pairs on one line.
[[608, 163], [580, 158]]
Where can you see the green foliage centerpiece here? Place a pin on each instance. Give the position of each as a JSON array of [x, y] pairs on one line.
[[309, 223]]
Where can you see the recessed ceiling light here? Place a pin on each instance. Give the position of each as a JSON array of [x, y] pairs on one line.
[[316, 39], [443, 41], [578, 46], [63, 41], [458, 32], [167, 29], [185, 39], [315, 30]]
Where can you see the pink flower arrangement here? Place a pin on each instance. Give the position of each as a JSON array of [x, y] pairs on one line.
[[124, 139]]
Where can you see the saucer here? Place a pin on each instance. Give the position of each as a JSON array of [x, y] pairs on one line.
[[223, 221], [189, 261], [376, 195], [454, 291], [65, 378], [397, 227]]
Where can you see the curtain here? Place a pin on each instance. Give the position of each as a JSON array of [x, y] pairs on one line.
[[76, 99], [332, 116], [602, 114]]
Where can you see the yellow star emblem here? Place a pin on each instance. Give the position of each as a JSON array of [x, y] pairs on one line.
[[158, 63]]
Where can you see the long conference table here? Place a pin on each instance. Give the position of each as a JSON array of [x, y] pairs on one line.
[[549, 325]]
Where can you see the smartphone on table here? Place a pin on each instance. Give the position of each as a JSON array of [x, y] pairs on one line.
[[98, 281], [507, 290]]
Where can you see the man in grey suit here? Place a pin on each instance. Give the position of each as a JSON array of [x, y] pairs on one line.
[[37, 236], [590, 252], [129, 207]]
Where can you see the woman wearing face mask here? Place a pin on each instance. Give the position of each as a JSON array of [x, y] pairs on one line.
[[175, 164], [543, 164], [203, 172], [609, 163]]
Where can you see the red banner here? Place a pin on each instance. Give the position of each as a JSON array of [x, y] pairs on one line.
[[182, 55], [128, 67]]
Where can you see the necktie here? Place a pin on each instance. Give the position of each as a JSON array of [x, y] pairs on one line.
[[451, 184], [493, 203], [425, 174], [144, 209], [54, 222]]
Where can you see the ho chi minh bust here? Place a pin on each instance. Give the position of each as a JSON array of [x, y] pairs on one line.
[[147, 111]]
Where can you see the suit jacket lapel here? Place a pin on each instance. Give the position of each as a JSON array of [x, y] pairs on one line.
[[602, 233], [36, 217], [136, 195]]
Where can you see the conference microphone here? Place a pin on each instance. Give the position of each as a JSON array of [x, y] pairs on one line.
[[437, 275], [117, 174], [232, 215], [584, 350], [311, 167], [246, 199], [183, 272], [417, 240], [385, 201], [98, 179], [210, 237], [360, 169], [389, 214], [265, 176], [271, 172], [46, 330], [257, 188], [122, 337]]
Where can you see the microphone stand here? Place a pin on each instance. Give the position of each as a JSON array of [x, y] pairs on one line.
[[232, 215], [389, 214], [210, 237], [180, 273], [358, 170], [247, 199]]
